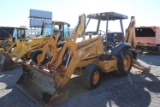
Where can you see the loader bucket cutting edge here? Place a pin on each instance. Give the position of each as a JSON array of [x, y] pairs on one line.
[[37, 85]]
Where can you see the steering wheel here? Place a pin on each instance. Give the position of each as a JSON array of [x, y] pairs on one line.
[[101, 32]]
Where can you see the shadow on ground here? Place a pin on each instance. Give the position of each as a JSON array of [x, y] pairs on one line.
[[135, 90], [131, 91], [136, 93], [10, 96]]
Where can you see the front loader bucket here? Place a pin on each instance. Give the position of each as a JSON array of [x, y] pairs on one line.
[[6, 62], [37, 84]]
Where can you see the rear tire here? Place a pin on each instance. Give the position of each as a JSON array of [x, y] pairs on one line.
[[35, 55], [124, 62], [91, 76]]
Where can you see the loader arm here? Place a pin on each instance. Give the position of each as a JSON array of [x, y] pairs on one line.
[[78, 32], [17, 43], [18, 48], [25, 47], [50, 44]]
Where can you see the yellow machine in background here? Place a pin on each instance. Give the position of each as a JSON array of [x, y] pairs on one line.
[[9, 36], [55, 41], [26, 47]]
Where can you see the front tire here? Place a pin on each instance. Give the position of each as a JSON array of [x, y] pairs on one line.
[[124, 61], [91, 76]]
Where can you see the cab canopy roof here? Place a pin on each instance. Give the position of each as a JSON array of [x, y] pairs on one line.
[[110, 15]]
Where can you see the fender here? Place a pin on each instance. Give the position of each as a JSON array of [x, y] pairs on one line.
[[119, 47]]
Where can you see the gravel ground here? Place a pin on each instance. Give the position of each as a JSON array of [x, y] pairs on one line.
[[135, 90]]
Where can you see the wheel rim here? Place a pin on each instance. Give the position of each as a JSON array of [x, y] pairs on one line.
[[95, 78], [127, 62]]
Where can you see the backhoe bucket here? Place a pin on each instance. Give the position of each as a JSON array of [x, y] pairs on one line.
[[39, 85], [6, 62]]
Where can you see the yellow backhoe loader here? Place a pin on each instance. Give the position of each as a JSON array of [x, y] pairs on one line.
[[26, 47], [87, 52], [9, 36], [55, 41]]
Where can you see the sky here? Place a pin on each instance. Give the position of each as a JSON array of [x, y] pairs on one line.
[[16, 12]]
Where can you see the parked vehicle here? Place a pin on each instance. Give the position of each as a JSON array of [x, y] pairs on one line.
[[147, 39]]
